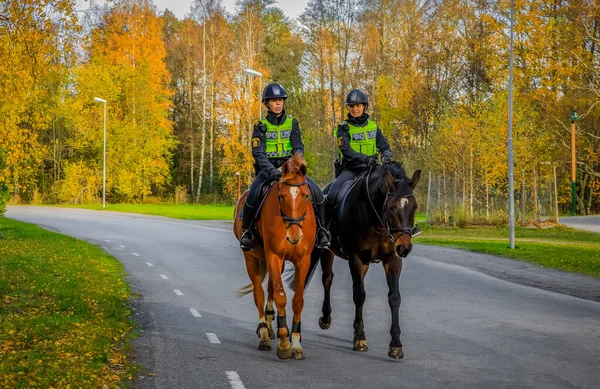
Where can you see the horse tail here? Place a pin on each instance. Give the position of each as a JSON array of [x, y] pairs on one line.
[[250, 287], [289, 274]]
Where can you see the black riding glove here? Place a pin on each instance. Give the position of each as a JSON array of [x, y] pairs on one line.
[[371, 161], [274, 174], [386, 159]]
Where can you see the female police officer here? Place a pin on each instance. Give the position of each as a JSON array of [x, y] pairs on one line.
[[359, 140], [275, 139]]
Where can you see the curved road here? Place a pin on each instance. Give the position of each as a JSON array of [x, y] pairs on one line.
[[589, 223], [468, 320]]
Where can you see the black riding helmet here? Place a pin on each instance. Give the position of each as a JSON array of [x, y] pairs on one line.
[[356, 96], [273, 91]]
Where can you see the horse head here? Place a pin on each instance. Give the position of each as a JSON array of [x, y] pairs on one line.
[[399, 206], [294, 197]]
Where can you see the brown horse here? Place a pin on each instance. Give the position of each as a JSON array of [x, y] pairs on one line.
[[287, 229]]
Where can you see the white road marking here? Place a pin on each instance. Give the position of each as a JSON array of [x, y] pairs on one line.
[[136, 254], [164, 277], [121, 246], [149, 264], [213, 338], [177, 292], [195, 312], [234, 380]]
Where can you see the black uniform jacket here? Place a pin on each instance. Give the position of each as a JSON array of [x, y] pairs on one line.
[[354, 159], [261, 162]]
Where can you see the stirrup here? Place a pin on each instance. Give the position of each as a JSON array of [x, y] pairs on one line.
[[247, 241], [416, 231], [327, 241]]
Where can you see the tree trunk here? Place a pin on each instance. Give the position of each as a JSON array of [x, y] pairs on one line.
[[202, 148]]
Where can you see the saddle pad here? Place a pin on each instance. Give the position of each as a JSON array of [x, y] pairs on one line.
[[342, 194], [261, 199]]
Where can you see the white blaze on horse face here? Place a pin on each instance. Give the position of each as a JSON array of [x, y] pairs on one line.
[[294, 192], [403, 202]]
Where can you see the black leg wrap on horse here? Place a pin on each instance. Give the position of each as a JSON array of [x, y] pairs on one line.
[[269, 312], [261, 325], [296, 327], [281, 323]]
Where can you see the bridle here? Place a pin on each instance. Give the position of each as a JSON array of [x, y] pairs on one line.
[[289, 221], [389, 230]]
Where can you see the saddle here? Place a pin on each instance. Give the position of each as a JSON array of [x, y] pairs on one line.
[[261, 200], [340, 200]]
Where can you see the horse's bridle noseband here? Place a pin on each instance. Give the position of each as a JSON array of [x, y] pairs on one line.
[[289, 221]]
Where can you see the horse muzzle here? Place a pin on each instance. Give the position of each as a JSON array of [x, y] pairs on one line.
[[403, 245], [403, 251], [294, 234], [294, 241]]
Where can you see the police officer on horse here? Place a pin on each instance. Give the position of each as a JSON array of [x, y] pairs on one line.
[[359, 140], [276, 138]]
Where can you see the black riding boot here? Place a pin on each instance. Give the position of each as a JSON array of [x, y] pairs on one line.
[[323, 236], [247, 239]]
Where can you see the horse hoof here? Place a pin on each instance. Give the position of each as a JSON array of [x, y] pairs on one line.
[[323, 324], [298, 355], [395, 353], [360, 345], [284, 354], [264, 346], [271, 334]]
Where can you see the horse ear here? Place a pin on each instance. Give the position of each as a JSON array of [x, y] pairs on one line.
[[390, 181], [415, 179], [303, 170], [285, 169]]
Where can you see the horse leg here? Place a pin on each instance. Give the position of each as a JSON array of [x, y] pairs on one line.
[[253, 268], [358, 270], [298, 304], [275, 266], [327, 279], [269, 311], [393, 268]]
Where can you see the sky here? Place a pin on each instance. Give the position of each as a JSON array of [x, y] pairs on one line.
[[291, 8]]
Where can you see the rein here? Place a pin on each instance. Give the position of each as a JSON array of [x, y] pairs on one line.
[[290, 221], [390, 231]]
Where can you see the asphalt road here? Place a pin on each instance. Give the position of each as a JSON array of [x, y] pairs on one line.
[[589, 223], [468, 320]]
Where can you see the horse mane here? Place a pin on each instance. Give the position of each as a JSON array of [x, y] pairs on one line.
[[395, 169], [295, 164]]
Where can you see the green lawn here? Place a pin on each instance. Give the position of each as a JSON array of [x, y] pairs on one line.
[[559, 247], [178, 211], [63, 314]]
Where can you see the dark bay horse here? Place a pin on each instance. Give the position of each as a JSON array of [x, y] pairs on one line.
[[287, 229], [376, 225]]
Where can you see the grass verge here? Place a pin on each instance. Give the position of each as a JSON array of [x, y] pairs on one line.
[[64, 312], [559, 247], [178, 211]]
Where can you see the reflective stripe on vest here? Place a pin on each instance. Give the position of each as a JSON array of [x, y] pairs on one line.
[[277, 138], [362, 139]]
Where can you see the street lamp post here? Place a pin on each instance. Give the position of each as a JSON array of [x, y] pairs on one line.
[[252, 72], [511, 184], [239, 183], [99, 100], [574, 118]]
